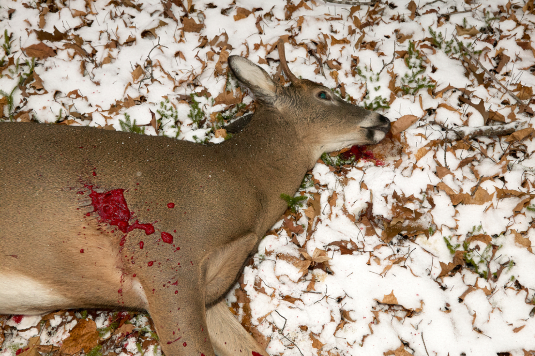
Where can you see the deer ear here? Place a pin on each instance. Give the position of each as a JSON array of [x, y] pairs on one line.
[[253, 77]]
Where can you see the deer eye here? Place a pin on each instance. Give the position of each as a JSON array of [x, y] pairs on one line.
[[323, 95]]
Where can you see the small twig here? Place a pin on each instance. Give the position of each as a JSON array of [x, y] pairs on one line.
[[284, 336], [466, 51], [392, 61], [313, 53], [149, 62], [467, 133], [422, 334], [432, 2], [352, 3]]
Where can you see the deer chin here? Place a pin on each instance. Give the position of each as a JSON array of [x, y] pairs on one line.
[[376, 135]]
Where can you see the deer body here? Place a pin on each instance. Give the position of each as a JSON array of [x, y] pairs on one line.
[[93, 218]]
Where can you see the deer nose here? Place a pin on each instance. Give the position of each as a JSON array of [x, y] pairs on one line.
[[383, 125]]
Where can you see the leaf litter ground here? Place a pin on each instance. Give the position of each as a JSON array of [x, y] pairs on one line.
[[420, 245]]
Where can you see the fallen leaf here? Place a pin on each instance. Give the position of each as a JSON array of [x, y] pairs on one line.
[[77, 49], [52, 37], [124, 330], [137, 73], [516, 330], [458, 260], [83, 337], [518, 208], [223, 57], [316, 343], [403, 123], [152, 31], [390, 299], [241, 13], [461, 31], [229, 97], [31, 349], [523, 92], [189, 25], [503, 62], [400, 351], [442, 172], [486, 239], [39, 51], [412, 8], [479, 107], [519, 135]]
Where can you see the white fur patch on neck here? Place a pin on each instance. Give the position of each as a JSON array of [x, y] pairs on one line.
[[20, 294]]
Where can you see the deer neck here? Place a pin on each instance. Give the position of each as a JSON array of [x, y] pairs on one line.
[[270, 155]]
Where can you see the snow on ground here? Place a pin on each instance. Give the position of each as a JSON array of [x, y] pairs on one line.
[[422, 247]]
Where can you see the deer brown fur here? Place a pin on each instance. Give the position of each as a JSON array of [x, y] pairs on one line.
[[92, 218]]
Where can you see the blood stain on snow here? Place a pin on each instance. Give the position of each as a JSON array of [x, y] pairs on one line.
[[167, 237], [17, 318], [360, 152]]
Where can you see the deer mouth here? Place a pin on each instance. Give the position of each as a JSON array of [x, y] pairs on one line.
[[384, 126]]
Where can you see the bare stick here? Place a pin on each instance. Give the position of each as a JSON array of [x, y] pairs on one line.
[[284, 64], [474, 58], [353, 3], [424, 343], [471, 132]]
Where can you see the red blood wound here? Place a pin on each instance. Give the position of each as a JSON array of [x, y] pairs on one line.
[[167, 237], [17, 318], [112, 208], [141, 244], [170, 205]]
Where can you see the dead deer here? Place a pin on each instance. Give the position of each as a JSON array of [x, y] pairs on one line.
[[101, 219]]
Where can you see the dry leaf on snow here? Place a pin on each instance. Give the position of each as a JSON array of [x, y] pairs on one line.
[[403, 123], [39, 51], [84, 336], [390, 299]]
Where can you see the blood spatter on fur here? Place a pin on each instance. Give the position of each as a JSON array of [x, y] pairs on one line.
[[167, 237]]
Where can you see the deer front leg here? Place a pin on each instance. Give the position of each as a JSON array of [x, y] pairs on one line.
[[180, 320], [228, 337]]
